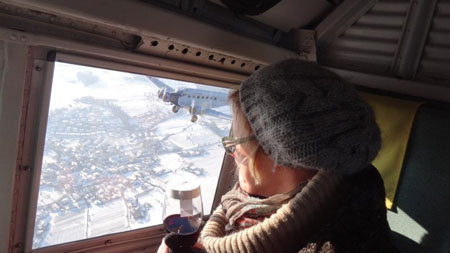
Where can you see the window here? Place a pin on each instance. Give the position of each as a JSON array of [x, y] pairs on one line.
[[110, 147]]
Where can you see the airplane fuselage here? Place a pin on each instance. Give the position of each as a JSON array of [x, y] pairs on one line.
[[199, 99]]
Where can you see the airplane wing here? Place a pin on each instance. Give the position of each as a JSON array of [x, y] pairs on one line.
[[217, 114], [160, 84]]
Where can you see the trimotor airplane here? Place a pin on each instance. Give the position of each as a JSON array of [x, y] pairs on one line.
[[197, 101]]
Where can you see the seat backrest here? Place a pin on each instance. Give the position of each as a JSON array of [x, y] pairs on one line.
[[421, 217]]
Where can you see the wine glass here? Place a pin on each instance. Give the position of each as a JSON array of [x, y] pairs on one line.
[[183, 211]]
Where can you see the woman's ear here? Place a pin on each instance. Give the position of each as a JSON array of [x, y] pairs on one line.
[[263, 162]]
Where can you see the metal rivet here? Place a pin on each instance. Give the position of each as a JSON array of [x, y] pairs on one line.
[[13, 37], [18, 245], [37, 68], [23, 38], [25, 167]]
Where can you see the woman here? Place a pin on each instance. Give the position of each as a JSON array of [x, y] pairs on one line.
[[303, 141]]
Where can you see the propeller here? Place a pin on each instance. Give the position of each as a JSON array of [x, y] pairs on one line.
[[162, 94], [165, 95]]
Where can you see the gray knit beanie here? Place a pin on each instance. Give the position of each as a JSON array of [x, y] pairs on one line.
[[306, 116]]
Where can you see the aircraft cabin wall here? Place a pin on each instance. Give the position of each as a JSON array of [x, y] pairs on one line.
[[13, 65], [364, 41]]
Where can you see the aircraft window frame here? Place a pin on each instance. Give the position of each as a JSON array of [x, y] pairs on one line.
[[141, 236]]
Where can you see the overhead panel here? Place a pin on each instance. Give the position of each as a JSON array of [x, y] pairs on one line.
[[369, 45], [435, 64]]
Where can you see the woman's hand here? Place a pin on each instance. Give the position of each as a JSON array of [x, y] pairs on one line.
[[198, 245], [173, 241], [163, 248]]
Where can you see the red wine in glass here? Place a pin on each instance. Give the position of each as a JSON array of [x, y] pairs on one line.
[[186, 227]]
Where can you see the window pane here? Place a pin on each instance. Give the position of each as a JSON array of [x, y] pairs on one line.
[[111, 145]]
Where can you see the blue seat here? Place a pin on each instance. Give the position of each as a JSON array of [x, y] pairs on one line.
[[420, 219]]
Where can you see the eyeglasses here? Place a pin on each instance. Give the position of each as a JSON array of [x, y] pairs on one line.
[[229, 143]]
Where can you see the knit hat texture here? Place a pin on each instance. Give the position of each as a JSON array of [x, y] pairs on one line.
[[304, 115]]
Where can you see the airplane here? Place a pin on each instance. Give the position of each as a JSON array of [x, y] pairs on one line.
[[196, 101]]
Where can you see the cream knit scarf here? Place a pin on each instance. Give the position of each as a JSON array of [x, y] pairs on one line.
[[286, 230], [238, 204]]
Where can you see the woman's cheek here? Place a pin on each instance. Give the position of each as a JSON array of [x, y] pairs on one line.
[[242, 178], [246, 181]]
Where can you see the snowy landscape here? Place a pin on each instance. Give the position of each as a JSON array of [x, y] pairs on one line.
[[110, 148]]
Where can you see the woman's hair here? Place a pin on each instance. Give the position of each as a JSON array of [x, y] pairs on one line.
[[241, 127]]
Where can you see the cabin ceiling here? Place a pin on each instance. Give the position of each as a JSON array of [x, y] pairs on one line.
[[291, 14], [400, 39], [396, 38]]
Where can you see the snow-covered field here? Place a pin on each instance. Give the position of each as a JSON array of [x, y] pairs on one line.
[[111, 147]]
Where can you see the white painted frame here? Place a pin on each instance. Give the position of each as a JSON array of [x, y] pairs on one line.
[[141, 18]]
